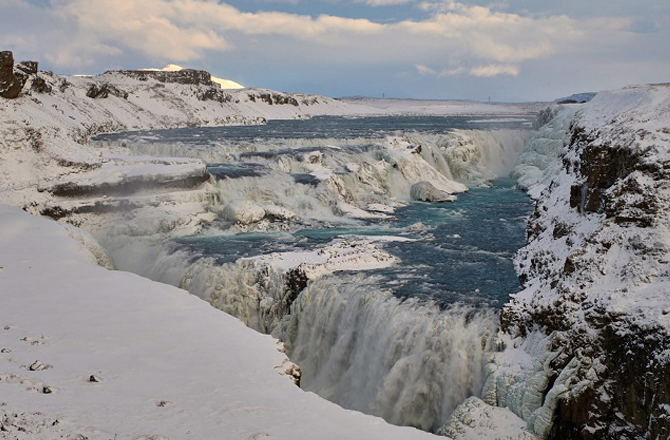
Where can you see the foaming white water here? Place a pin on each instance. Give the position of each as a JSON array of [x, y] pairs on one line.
[[407, 362], [148, 258], [363, 172], [474, 156]]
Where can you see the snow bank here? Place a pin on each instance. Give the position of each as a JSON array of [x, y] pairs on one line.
[[475, 420]]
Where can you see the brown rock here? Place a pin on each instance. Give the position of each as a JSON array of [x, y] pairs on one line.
[[104, 91], [10, 84], [27, 67]]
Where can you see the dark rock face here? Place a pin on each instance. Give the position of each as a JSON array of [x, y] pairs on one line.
[[637, 386], [185, 76], [103, 91], [606, 174], [278, 99], [214, 94], [129, 186], [39, 85], [10, 84], [27, 67], [296, 281], [57, 212], [275, 98]]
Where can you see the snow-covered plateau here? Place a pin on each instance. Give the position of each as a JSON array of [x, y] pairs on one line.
[[582, 352]]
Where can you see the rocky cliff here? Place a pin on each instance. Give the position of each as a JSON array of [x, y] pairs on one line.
[[594, 317]]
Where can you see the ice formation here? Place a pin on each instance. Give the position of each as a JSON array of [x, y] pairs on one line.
[[340, 178]]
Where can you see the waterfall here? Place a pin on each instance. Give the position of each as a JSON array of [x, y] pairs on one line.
[[406, 361]]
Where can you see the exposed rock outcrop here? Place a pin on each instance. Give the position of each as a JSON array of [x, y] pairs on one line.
[[184, 76], [27, 67], [122, 185], [103, 91], [277, 98], [214, 93], [39, 85], [10, 84]]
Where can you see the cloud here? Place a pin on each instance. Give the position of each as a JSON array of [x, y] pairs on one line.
[[384, 2], [184, 30], [496, 36], [424, 70], [455, 40], [488, 71], [495, 70]]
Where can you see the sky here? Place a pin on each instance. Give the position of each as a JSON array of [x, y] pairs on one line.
[[507, 50]]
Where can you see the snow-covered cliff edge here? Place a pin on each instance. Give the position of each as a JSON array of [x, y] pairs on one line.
[[594, 317]]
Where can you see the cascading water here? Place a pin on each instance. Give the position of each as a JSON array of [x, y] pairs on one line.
[[406, 361], [408, 340]]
